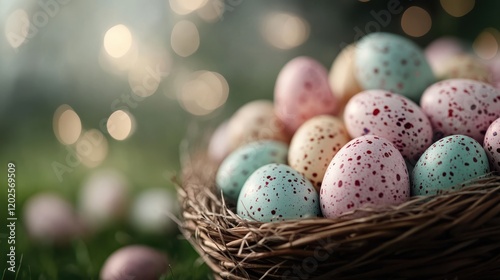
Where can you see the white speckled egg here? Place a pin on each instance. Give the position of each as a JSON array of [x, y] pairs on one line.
[[313, 146], [254, 121], [464, 66], [276, 192], [394, 63], [391, 116], [302, 92], [492, 145], [441, 49], [240, 164], [342, 76], [367, 170], [460, 106], [448, 163]]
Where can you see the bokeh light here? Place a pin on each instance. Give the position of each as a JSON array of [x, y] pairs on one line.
[[185, 38], [284, 30], [203, 92], [458, 8], [92, 148], [486, 44], [416, 21], [120, 125], [67, 125], [117, 41], [148, 71], [116, 65], [212, 11], [184, 7], [17, 27]]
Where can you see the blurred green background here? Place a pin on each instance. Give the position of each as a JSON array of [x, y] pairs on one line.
[[166, 64]]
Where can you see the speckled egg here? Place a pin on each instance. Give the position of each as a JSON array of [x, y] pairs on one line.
[[276, 192], [240, 164], [218, 147], [368, 170], [254, 121], [394, 63], [494, 68], [391, 116], [492, 145], [464, 66], [302, 92], [342, 76], [448, 163], [441, 49], [314, 144], [459, 106]]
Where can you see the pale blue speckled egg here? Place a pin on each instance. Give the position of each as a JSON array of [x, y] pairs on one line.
[[391, 62], [448, 164], [276, 192], [241, 163]]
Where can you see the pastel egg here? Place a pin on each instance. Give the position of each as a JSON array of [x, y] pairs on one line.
[[368, 170], [302, 92], [460, 106], [447, 164], [240, 164], [255, 121], [342, 76], [494, 68], [218, 147], [441, 49], [394, 63], [464, 66], [135, 262], [391, 116], [314, 144], [492, 145], [276, 192]]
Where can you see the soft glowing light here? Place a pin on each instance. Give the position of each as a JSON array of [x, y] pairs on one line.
[[118, 65], [147, 73], [203, 92], [67, 125], [184, 7], [92, 148], [285, 31], [120, 125], [416, 21], [185, 38], [16, 28], [458, 8], [486, 44], [212, 11], [117, 41]]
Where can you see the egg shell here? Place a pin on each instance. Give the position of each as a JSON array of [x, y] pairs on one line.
[[439, 50], [342, 76], [135, 262], [218, 147], [391, 116], [152, 210], [368, 170], [448, 163], [314, 144], [255, 121], [463, 66], [494, 68], [492, 145], [240, 164], [302, 92], [276, 192], [460, 106], [394, 63]]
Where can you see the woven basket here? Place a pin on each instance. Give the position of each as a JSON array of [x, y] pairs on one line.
[[450, 236]]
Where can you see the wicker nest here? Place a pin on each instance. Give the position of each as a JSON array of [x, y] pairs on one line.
[[450, 236]]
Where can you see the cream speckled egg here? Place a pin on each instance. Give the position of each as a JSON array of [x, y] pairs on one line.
[[367, 170], [342, 76], [492, 145], [314, 144], [464, 66]]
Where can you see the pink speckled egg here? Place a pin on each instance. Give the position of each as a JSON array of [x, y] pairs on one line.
[[460, 106], [314, 144], [255, 121], [492, 145], [439, 50], [464, 66], [391, 116], [218, 147], [302, 92], [367, 170]]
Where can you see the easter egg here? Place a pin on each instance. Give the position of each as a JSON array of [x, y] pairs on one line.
[[218, 147], [314, 144], [391, 116], [494, 68], [441, 49], [255, 121], [492, 145], [342, 76], [460, 106], [135, 262], [368, 170], [240, 164], [394, 63], [447, 164], [464, 66], [302, 92], [152, 209], [276, 192]]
